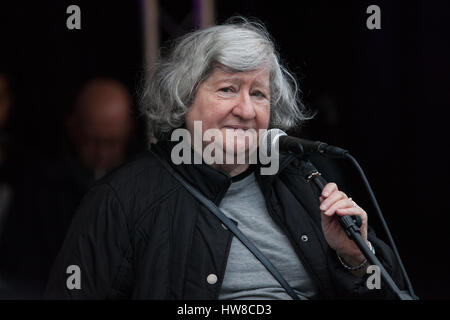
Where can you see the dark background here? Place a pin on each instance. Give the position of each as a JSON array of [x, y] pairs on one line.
[[382, 94]]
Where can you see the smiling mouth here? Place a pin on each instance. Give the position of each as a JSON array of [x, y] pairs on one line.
[[237, 128]]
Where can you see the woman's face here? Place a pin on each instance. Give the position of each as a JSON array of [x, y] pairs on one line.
[[235, 103]]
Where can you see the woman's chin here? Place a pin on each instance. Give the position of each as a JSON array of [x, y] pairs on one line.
[[233, 153]]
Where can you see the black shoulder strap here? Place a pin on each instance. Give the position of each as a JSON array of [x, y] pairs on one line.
[[231, 226]]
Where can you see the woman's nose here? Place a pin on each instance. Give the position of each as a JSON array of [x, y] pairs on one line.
[[244, 107]]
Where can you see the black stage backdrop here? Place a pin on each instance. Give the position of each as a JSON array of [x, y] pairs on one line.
[[382, 94]]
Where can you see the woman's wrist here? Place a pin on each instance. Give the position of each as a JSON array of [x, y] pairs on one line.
[[351, 261], [356, 261]]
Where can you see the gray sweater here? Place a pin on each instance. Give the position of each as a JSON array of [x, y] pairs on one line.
[[245, 276]]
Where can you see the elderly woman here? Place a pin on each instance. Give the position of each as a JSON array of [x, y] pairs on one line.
[[139, 234]]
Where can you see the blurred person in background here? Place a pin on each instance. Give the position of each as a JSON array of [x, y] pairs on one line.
[[11, 158], [5, 143], [99, 130], [100, 125]]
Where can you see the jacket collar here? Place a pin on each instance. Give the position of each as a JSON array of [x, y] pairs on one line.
[[211, 182]]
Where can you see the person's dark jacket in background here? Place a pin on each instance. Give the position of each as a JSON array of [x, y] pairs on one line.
[[139, 234], [48, 195]]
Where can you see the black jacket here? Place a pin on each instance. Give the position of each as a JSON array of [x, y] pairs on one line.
[[139, 234]]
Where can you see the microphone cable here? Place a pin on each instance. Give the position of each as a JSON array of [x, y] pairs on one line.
[[355, 163]]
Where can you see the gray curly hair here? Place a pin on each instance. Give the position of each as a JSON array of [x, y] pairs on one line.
[[240, 45]]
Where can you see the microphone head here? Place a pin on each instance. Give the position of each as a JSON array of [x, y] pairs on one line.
[[269, 140]]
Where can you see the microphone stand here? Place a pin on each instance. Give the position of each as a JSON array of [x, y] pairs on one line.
[[351, 227]]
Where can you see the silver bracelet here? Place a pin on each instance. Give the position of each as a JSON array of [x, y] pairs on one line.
[[362, 265]]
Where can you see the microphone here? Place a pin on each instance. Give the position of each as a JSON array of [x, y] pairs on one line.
[[276, 137]]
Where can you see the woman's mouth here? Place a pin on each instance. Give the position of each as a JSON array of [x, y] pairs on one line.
[[232, 127]]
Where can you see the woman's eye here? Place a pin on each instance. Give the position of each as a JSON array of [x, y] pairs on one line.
[[226, 89], [259, 94]]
